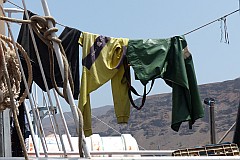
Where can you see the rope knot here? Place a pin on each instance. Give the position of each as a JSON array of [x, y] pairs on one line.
[[41, 28]]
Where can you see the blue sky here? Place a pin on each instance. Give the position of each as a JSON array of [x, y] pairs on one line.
[[214, 61]]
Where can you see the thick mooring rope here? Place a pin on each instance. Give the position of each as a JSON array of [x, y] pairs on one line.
[[11, 51], [12, 65], [8, 61], [12, 101]]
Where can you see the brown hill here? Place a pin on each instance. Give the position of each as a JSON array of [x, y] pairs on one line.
[[151, 125]]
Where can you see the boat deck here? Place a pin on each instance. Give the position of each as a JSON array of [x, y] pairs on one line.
[[132, 158], [123, 155]]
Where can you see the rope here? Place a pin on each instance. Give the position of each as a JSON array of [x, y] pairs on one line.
[[14, 20], [13, 106], [14, 72], [12, 67], [12, 45], [45, 83], [40, 27]]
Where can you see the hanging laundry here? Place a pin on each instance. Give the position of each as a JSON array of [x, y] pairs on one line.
[[69, 38], [166, 59], [102, 61]]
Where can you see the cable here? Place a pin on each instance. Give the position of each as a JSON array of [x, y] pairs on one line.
[[15, 5], [211, 22], [111, 128], [106, 124], [61, 24]]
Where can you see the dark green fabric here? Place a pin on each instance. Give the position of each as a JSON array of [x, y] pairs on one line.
[[147, 57], [163, 58]]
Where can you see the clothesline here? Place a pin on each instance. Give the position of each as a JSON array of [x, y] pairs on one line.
[[221, 18], [194, 30]]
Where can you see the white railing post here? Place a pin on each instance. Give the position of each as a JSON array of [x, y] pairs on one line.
[[61, 66]]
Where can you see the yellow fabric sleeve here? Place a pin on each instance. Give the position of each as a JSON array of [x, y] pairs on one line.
[[105, 67]]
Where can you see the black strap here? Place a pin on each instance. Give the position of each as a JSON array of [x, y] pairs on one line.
[[136, 93], [131, 89]]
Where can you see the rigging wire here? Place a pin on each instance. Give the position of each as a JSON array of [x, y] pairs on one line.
[[112, 128], [15, 5], [106, 125]]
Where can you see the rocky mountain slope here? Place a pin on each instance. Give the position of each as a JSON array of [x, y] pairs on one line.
[[151, 125]]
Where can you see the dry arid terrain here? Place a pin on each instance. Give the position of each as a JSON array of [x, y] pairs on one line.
[[151, 125]]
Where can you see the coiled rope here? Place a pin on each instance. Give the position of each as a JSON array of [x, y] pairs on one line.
[[10, 82], [12, 66]]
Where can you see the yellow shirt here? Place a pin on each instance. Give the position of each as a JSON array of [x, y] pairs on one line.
[[102, 60]]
